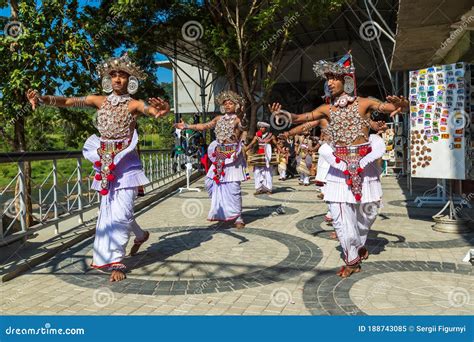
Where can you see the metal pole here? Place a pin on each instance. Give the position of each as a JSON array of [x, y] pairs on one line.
[[79, 189], [55, 193], [21, 168]]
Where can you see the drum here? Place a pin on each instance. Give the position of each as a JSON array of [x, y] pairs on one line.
[[259, 160]]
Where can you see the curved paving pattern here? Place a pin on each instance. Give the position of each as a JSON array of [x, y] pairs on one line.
[[328, 294], [204, 196], [265, 211], [313, 226], [302, 256]]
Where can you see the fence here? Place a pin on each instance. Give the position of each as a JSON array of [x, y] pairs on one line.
[[58, 196]]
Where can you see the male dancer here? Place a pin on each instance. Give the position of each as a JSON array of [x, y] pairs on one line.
[[226, 154], [115, 159], [353, 180], [263, 174]]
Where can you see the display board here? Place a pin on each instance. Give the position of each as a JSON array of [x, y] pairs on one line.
[[440, 122]]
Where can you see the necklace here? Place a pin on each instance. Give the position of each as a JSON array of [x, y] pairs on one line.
[[116, 99]]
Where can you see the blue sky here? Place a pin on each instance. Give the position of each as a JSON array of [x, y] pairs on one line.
[[164, 75]]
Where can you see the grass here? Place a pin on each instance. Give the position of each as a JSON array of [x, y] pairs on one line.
[[41, 169]]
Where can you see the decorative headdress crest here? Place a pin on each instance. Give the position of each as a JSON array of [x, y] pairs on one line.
[[343, 67], [230, 95], [123, 63]]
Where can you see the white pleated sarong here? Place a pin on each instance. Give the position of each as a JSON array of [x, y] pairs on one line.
[[116, 221], [263, 178], [226, 200]]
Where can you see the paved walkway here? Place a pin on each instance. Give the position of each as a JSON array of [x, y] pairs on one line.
[[282, 263]]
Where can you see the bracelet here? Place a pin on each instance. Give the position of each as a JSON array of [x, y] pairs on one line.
[[146, 108], [40, 100], [380, 107], [79, 102], [186, 126]]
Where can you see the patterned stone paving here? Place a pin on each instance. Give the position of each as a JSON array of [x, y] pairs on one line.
[[282, 263]]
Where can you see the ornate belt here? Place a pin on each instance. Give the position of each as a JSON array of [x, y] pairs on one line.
[[221, 153], [352, 155], [107, 152]]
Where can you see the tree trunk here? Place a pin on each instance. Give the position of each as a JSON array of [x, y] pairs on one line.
[[253, 119], [19, 145]]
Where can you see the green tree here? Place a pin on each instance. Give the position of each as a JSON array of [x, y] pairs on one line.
[[42, 47], [243, 40]]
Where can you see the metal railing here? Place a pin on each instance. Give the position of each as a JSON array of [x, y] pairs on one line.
[[59, 196]]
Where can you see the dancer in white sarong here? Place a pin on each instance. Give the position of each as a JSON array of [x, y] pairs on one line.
[[118, 168], [226, 154], [353, 190], [263, 174]]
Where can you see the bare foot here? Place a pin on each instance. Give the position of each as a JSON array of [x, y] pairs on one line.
[[346, 271], [136, 246], [333, 235], [239, 225], [117, 276]]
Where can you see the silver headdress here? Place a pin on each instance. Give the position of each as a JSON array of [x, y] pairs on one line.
[[323, 68], [343, 67], [263, 124], [230, 95], [123, 63]]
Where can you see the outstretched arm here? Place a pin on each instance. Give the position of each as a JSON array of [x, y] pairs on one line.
[[156, 108], [198, 127], [302, 129], [393, 106], [249, 146], [315, 114], [60, 101]]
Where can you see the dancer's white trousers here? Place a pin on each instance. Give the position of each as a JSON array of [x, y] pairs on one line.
[[115, 223], [352, 223]]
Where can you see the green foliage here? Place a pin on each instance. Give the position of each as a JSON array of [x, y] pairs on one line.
[[56, 53]]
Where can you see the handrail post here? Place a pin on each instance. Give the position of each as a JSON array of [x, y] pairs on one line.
[[79, 189], [55, 193], [21, 177]]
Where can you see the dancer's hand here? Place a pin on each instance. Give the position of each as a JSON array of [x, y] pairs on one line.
[[33, 98], [179, 125], [395, 112], [399, 102], [274, 107], [162, 107], [284, 135], [379, 126]]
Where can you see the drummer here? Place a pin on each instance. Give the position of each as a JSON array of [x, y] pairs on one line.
[[263, 170]]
